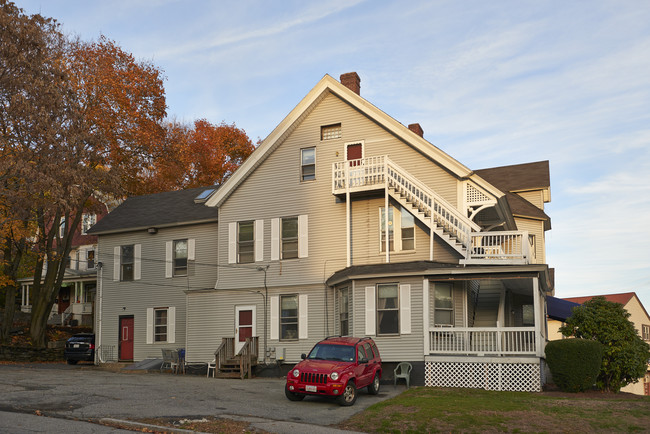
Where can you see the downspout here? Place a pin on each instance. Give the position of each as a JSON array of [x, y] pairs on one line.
[[100, 296]]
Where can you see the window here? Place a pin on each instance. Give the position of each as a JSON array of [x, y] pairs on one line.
[[443, 305], [645, 332], [382, 228], [245, 242], [528, 315], [329, 132], [387, 309], [308, 164], [401, 229], [344, 306], [160, 325], [87, 221], [90, 259], [62, 227], [126, 263], [290, 238], [289, 317], [180, 258]]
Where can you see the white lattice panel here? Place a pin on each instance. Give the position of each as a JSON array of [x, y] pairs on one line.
[[516, 377], [474, 195]]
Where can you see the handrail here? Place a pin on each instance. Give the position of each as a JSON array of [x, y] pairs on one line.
[[225, 351], [500, 245], [247, 354]]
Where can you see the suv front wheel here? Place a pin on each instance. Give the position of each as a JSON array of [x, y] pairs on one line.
[[293, 396], [349, 395]]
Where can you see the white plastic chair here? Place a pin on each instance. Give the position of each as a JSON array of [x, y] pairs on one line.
[[403, 370], [212, 365]]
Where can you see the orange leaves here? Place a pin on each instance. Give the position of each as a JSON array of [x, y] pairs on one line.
[[204, 155]]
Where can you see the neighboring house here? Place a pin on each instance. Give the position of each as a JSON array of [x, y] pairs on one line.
[[342, 222], [76, 298], [638, 316], [152, 249]]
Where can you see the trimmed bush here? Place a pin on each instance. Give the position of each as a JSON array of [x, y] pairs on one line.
[[574, 363]]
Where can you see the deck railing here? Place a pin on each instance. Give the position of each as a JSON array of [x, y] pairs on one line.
[[482, 340], [502, 245], [225, 351], [247, 355]]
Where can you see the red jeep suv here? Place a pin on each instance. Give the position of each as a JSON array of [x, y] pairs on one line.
[[337, 367]]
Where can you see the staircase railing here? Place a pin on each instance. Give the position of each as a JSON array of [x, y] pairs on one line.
[[248, 353], [66, 314], [426, 200], [225, 351]]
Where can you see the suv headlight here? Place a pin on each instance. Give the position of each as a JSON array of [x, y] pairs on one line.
[[334, 376], [296, 373]]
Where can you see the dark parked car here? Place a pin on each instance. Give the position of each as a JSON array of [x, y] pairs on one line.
[[336, 367], [80, 347]]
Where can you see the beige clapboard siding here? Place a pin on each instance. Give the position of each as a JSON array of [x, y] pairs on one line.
[[536, 197], [392, 348], [153, 290], [212, 317], [274, 190], [534, 227]]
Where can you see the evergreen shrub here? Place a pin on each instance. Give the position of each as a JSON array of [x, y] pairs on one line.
[[574, 363]]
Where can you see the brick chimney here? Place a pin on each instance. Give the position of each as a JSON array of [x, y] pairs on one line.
[[352, 81], [417, 129]]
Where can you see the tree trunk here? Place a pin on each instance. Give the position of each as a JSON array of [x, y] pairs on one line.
[[8, 316]]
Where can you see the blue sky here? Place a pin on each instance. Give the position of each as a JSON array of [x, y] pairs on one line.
[[491, 83]]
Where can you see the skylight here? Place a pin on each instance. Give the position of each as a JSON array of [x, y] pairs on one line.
[[205, 194]]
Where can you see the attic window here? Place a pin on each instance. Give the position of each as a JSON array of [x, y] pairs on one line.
[[205, 194], [329, 132]]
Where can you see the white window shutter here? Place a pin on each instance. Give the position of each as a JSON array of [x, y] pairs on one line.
[[116, 263], [232, 243], [370, 311], [137, 262], [303, 231], [191, 247], [171, 325], [405, 309], [275, 239], [150, 325], [303, 320], [275, 317], [259, 240], [169, 246]]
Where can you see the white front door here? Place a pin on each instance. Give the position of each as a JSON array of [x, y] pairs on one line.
[[244, 325]]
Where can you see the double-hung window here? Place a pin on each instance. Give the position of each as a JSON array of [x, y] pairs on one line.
[[391, 232], [126, 263], [645, 332], [308, 164], [180, 258], [401, 229], [387, 309], [288, 317], [160, 325], [90, 259], [443, 305], [344, 308], [290, 238], [245, 242]]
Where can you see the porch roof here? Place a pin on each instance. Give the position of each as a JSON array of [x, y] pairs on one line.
[[435, 269]]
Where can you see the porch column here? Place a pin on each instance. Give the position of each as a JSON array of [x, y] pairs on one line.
[[425, 316], [537, 307], [386, 214], [348, 242]]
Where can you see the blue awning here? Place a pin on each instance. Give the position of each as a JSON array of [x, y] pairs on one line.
[[559, 309]]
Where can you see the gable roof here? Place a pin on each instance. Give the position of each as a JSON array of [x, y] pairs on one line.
[[168, 209], [622, 298], [329, 85], [518, 178]]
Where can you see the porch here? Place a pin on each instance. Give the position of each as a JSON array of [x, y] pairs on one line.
[[476, 246]]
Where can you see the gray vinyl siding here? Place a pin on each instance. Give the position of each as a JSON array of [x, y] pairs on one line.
[[274, 190], [403, 347], [153, 289], [212, 317]]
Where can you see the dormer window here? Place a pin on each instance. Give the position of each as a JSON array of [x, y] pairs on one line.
[[329, 132]]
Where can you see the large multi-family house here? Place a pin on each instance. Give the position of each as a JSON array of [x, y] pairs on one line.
[[75, 300], [342, 222], [638, 316]]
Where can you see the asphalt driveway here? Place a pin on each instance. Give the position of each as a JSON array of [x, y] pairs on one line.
[[86, 392]]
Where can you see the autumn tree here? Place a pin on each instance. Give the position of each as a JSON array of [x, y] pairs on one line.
[[201, 155], [78, 119], [626, 355]]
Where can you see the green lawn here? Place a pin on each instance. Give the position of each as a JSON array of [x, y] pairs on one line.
[[470, 410]]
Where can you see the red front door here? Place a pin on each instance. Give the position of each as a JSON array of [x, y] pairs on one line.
[[126, 338], [354, 152]]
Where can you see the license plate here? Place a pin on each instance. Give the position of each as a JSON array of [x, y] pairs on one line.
[[75, 346], [311, 389]]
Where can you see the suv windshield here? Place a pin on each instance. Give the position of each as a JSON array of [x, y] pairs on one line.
[[340, 353]]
